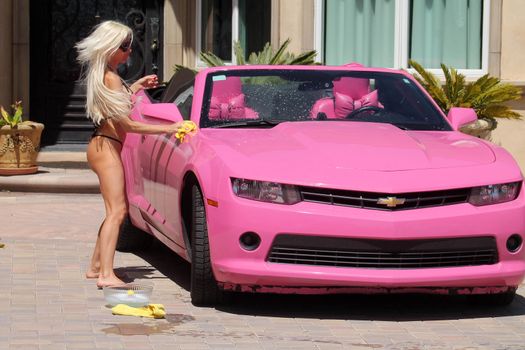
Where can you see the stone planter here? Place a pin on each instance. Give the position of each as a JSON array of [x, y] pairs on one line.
[[480, 128], [19, 148]]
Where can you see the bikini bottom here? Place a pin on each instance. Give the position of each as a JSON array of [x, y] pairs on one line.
[[106, 136]]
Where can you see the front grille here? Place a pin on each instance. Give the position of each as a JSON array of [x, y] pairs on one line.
[[369, 200], [383, 254]]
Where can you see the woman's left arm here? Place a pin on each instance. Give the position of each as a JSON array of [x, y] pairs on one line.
[[146, 82]]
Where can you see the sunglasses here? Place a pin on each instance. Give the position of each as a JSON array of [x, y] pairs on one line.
[[125, 45]]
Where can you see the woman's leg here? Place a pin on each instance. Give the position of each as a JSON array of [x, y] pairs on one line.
[[104, 158], [94, 267]]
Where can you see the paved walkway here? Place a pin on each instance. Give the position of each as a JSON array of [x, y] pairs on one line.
[[58, 172], [46, 303]]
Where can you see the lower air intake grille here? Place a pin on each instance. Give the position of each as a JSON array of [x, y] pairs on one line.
[[383, 254]]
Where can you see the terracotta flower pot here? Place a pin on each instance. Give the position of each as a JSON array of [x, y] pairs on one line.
[[19, 148], [480, 128]]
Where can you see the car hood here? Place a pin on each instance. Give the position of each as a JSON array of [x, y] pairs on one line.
[[346, 145]]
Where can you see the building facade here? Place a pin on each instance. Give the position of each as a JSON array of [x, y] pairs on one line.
[[37, 64]]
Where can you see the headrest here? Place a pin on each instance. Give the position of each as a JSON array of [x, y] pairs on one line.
[[225, 89], [353, 87]]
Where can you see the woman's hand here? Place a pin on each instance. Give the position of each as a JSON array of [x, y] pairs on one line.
[[173, 128], [146, 82], [183, 129]]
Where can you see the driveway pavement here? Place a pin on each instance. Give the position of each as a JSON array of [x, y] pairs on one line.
[[46, 303]]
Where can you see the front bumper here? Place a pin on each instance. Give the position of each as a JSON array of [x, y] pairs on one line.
[[236, 268]]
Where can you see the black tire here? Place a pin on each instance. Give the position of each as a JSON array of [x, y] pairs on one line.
[[204, 288], [132, 239], [498, 299]]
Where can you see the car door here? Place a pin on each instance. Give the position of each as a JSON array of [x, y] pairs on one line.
[[162, 160], [171, 165]]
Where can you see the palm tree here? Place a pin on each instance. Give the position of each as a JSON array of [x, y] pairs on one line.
[[486, 95], [266, 56]]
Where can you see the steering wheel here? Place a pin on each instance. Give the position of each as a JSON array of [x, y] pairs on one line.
[[355, 112]]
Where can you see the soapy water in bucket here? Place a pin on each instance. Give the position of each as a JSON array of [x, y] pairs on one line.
[[133, 295]]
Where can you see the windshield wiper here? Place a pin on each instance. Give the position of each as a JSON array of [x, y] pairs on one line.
[[244, 123]]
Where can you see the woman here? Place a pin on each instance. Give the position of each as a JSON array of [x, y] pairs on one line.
[[109, 102]]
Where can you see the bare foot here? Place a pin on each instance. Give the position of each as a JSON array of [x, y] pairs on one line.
[[92, 273], [109, 281]]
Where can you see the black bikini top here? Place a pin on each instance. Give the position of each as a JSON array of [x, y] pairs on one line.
[[126, 86]]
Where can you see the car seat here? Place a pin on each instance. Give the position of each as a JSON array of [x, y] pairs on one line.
[[349, 94]]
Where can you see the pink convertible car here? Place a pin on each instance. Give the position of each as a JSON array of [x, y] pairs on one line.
[[315, 179]]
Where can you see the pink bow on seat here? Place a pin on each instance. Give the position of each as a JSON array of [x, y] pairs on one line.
[[344, 104], [232, 109]]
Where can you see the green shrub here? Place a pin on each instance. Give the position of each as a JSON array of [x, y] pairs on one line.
[[486, 95]]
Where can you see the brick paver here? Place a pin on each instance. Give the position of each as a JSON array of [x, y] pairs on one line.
[[46, 303]]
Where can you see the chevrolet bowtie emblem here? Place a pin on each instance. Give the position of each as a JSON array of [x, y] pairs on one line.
[[391, 202]]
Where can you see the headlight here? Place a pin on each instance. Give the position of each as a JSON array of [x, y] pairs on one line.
[[266, 191], [493, 194]]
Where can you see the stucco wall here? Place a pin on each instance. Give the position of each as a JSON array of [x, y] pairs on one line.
[[293, 19], [21, 53], [6, 56], [512, 40], [179, 35], [510, 134]]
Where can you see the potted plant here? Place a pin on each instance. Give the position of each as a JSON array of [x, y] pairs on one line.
[[19, 142], [485, 95]]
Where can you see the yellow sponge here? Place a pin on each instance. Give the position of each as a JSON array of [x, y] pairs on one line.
[[151, 310], [188, 127]]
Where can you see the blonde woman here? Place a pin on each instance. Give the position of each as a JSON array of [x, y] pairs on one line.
[[109, 101]]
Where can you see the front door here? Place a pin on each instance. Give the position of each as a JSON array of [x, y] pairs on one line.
[[57, 98]]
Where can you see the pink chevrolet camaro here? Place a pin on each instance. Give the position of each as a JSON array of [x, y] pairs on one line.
[[317, 179]]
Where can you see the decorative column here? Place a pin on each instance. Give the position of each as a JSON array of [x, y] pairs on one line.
[[179, 34], [20, 53], [6, 48], [293, 19]]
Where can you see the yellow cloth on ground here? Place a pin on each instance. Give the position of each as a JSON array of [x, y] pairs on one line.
[[188, 127], [151, 310]]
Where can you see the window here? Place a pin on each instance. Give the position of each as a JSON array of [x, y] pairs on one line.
[[264, 98], [222, 22], [387, 33], [180, 92], [360, 31], [184, 102], [216, 28]]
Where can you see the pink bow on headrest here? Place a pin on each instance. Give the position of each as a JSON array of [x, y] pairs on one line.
[[233, 109], [344, 104]]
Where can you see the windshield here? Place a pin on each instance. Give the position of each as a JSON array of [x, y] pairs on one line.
[[265, 98]]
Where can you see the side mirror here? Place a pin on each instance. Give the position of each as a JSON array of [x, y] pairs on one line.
[[458, 116], [163, 111]]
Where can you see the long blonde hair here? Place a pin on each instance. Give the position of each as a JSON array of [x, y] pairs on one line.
[[94, 53]]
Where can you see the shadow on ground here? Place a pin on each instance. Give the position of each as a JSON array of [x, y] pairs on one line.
[[164, 260], [382, 307], [392, 307]]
